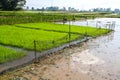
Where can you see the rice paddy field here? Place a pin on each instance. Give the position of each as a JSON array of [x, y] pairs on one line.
[[20, 30], [14, 17], [24, 38], [81, 30], [8, 54], [23, 35]]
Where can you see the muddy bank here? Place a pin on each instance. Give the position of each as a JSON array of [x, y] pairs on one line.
[[31, 58], [37, 71]]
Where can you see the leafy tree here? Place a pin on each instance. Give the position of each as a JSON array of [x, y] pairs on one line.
[[32, 8], [11, 4]]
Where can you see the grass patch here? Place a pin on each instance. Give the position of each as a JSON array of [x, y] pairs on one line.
[[7, 54]]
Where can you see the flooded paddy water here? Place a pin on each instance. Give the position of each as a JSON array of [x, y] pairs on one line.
[[96, 59]]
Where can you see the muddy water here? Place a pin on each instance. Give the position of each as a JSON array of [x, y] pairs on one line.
[[97, 59]]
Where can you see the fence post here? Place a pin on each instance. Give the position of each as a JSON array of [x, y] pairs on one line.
[[96, 25], [35, 55], [69, 33], [87, 23]]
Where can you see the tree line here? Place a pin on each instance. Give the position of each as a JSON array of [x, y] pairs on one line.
[[11, 5]]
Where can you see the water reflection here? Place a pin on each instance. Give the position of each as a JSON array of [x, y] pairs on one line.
[[98, 23], [102, 55], [97, 59]]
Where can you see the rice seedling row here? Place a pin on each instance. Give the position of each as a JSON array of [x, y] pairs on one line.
[[8, 54], [24, 38], [24, 17], [81, 30]]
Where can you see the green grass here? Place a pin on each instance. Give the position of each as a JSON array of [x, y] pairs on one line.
[[7, 54]]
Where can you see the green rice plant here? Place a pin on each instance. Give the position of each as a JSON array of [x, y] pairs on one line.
[[91, 31], [23, 38], [45, 45], [9, 17], [23, 35], [8, 54]]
